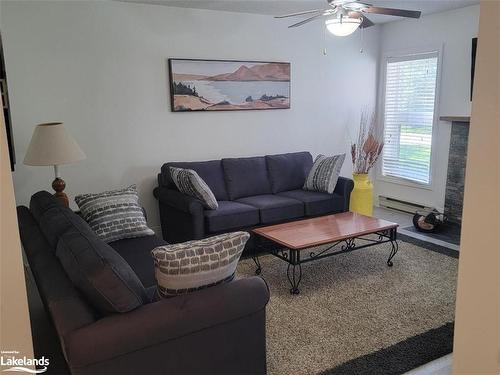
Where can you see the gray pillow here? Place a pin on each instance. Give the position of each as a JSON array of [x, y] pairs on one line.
[[100, 273], [188, 182], [114, 215], [324, 173], [57, 220], [41, 202], [189, 266]]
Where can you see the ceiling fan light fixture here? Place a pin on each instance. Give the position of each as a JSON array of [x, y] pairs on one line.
[[343, 25]]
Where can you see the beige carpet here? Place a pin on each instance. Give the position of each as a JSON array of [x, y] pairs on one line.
[[352, 304]]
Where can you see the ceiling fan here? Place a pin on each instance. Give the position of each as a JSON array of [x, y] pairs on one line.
[[345, 16]]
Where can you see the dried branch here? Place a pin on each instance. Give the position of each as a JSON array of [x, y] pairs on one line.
[[369, 145]]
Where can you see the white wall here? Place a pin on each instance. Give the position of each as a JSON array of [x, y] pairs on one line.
[[101, 68], [453, 30]]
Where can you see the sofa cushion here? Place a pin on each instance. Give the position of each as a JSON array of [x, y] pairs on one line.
[[193, 265], [41, 202], [288, 171], [316, 203], [68, 309], [274, 208], [102, 275], [57, 220], [188, 182], [324, 173], [210, 171], [137, 253], [231, 215], [246, 177], [114, 214]]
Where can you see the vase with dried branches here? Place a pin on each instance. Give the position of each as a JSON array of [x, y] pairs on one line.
[[365, 152]]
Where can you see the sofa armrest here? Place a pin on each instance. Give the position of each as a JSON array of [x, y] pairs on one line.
[[181, 216], [110, 340], [178, 200], [344, 187]]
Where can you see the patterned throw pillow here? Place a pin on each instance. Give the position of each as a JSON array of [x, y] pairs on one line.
[[324, 173], [189, 266], [115, 214], [189, 183]]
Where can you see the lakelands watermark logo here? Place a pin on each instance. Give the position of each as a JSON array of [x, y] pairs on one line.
[[15, 363]]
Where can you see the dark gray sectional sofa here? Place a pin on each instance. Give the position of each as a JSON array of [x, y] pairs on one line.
[[251, 192], [114, 325]]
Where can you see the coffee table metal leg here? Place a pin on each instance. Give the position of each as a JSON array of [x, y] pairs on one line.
[[394, 247], [294, 271]]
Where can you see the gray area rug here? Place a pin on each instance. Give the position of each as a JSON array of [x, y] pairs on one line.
[[353, 305]]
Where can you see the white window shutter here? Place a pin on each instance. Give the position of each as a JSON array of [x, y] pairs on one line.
[[410, 96]]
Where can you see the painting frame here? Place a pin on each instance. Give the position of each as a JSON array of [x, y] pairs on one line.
[[235, 107]]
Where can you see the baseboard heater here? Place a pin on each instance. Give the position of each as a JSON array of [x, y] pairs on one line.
[[399, 205]]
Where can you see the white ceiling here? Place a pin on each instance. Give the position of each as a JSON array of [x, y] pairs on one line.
[[277, 7]]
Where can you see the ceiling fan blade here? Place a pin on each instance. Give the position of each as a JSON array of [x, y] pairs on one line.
[[366, 22], [356, 6], [340, 2], [300, 13], [307, 20], [392, 12]]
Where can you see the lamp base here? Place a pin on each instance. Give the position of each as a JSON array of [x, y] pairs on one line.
[[58, 185]]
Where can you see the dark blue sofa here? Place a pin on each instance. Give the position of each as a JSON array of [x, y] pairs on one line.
[[225, 325], [251, 192]]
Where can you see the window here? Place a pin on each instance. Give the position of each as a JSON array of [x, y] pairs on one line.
[[410, 97]]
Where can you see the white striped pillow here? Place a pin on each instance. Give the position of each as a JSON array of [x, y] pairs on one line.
[[324, 173], [188, 182], [114, 215]]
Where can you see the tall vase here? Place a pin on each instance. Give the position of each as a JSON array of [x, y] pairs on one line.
[[362, 195]]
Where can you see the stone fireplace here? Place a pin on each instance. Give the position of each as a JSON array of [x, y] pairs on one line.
[[457, 160]]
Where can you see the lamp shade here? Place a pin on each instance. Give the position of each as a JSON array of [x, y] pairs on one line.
[[51, 144]]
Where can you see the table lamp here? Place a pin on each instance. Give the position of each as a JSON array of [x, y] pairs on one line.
[[52, 145]]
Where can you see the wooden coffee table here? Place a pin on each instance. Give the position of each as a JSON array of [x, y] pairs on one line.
[[344, 232]]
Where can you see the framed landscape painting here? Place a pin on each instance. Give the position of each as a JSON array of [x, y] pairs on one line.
[[227, 85]]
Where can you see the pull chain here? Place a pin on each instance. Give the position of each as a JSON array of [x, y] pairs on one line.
[[324, 41], [362, 39]]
